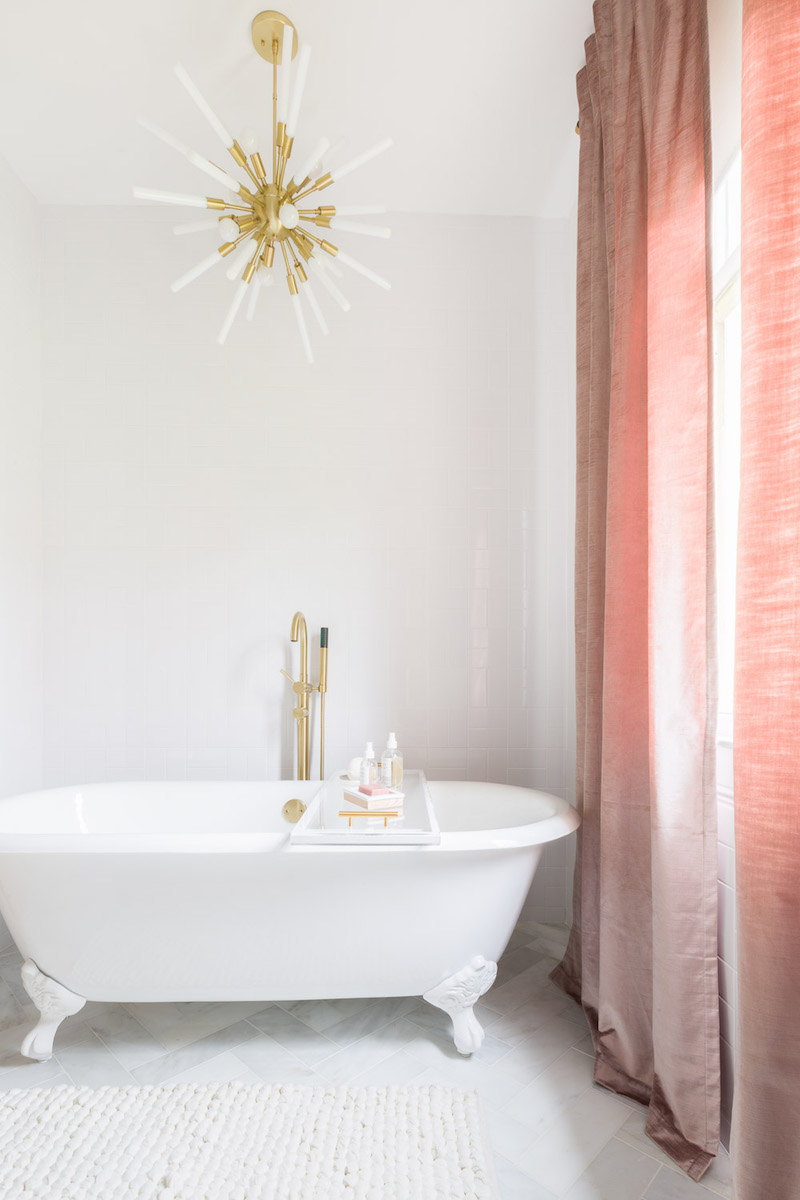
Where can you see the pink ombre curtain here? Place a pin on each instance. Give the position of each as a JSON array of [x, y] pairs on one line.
[[642, 957], [766, 1133]]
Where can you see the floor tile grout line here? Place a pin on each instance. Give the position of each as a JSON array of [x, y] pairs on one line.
[[144, 1030], [105, 1046], [262, 1033]]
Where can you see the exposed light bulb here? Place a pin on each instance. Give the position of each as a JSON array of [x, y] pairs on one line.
[[249, 142], [288, 216], [228, 229]]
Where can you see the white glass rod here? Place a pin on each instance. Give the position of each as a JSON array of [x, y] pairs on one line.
[[196, 226], [239, 258], [197, 160], [308, 292], [362, 270], [305, 168], [162, 135], [301, 325], [381, 231], [205, 265], [255, 292], [329, 285], [360, 210], [204, 106], [285, 74], [360, 159], [236, 304], [170, 197], [298, 89], [215, 172]]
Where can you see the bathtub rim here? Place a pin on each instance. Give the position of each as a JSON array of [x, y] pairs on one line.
[[563, 820]]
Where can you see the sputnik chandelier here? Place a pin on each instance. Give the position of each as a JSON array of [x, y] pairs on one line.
[[267, 215]]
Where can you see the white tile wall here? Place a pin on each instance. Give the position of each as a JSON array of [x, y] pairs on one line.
[[20, 495], [412, 491]]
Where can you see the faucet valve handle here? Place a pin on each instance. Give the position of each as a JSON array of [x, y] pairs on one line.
[[299, 688]]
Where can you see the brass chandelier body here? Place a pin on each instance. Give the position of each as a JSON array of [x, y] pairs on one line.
[[266, 216]]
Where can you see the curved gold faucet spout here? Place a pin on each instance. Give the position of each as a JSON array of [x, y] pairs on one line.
[[299, 629]]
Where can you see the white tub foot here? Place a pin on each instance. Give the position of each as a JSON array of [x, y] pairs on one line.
[[457, 996], [54, 1002]]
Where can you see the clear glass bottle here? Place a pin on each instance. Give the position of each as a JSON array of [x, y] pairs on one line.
[[392, 764], [369, 766]]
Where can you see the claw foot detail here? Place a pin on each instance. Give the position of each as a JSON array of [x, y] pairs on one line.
[[54, 1002], [457, 997]]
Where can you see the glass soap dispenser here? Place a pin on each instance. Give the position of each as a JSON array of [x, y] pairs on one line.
[[369, 767], [392, 764]]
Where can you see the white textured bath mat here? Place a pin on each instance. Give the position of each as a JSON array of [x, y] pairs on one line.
[[235, 1141]]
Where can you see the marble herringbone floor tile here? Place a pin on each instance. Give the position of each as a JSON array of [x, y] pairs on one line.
[[370, 1019], [128, 1041], [358, 1057], [555, 1135], [321, 1014], [618, 1172], [162, 1070], [178, 1025], [294, 1035], [91, 1064]]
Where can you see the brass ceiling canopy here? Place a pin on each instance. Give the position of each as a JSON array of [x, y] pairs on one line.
[[265, 213], [269, 27]]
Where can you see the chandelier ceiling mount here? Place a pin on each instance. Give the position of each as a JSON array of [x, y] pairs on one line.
[[265, 214]]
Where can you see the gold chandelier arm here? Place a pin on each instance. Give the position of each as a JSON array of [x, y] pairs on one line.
[[290, 279], [240, 158], [305, 250], [285, 152], [327, 246], [317, 186], [252, 265], [292, 187], [221, 205]]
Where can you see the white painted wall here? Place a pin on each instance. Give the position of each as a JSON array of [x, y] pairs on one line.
[[412, 491], [20, 495]]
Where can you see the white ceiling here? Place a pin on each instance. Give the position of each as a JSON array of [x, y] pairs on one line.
[[479, 98]]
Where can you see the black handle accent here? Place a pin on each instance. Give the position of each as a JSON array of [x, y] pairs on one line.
[[323, 638]]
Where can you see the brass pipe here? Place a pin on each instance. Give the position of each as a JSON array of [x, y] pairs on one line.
[[275, 124], [317, 186], [301, 712], [240, 158]]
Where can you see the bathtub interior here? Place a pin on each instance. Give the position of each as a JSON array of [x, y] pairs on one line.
[[466, 807], [164, 808]]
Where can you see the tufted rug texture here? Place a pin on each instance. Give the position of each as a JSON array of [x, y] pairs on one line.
[[238, 1141]]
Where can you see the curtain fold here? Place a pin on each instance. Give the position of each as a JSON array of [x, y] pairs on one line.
[[766, 1125], [642, 957]]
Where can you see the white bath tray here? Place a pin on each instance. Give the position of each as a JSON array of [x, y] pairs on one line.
[[323, 825]]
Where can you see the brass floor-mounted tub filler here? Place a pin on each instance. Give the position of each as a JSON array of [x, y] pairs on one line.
[[302, 689], [267, 213]]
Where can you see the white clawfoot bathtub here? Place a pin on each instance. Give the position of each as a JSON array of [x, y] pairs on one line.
[[142, 892]]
